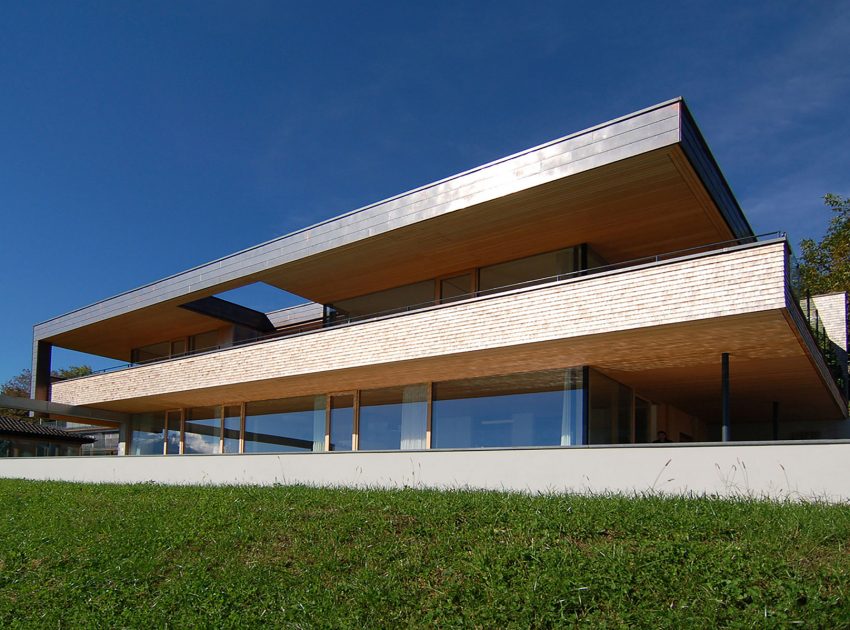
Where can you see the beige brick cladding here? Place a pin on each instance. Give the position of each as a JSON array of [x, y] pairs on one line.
[[739, 281]]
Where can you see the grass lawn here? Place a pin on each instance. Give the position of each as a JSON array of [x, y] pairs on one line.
[[145, 556]]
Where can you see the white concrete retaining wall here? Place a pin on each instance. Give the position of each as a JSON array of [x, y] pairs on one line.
[[807, 471]]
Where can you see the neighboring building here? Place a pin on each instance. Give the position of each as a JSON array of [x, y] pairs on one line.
[[22, 438], [592, 290], [104, 440]]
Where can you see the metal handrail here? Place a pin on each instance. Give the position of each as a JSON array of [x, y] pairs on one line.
[[322, 323], [814, 323]]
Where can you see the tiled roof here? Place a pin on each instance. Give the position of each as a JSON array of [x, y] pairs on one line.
[[15, 426]]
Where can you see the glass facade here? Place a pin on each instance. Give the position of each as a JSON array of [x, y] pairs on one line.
[[175, 348], [541, 267], [383, 302], [202, 430], [342, 422], [492, 278], [147, 434], [394, 418], [288, 424], [529, 409], [455, 288], [610, 411], [172, 432], [232, 428], [559, 407], [643, 420], [204, 341]]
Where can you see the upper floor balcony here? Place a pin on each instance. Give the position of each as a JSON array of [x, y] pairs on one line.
[[658, 324]]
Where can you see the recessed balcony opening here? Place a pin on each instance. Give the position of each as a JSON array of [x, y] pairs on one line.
[[261, 297], [64, 361]]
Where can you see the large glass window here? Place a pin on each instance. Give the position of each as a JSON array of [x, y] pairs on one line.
[[525, 270], [342, 422], [158, 351], [610, 413], [232, 427], [643, 420], [152, 352], [289, 424], [455, 288], [529, 409], [383, 302], [147, 435], [202, 430], [204, 341], [172, 433], [393, 418]]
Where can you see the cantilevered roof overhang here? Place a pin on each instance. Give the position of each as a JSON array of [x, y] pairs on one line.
[[639, 185]]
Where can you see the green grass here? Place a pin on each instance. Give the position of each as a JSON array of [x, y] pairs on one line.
[[145, 556]]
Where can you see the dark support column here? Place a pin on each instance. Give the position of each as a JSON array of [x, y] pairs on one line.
[[585, 411], [41, 373], [775, 420], [724, 397]]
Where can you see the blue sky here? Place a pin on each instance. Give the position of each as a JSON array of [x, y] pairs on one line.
[[141, 139]]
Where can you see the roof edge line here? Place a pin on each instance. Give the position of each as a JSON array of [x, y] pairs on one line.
[[480, 167]]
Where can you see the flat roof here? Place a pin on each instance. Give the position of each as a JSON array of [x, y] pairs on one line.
[[662, 125]]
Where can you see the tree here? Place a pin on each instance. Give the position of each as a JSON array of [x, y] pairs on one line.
[[825, 266], [19, 386], [70, 372]]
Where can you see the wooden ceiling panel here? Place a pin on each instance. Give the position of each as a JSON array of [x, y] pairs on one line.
[[637, 207]]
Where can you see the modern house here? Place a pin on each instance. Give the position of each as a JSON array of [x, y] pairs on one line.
[[592, 290]]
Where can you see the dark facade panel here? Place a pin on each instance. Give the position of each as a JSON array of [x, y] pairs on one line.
[[696, 148]]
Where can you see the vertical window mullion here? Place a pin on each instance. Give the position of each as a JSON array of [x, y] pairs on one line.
[[355, 425], [242, 428], [428, 423]]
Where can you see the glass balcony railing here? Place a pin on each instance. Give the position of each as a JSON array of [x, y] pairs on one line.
[[803, 299]]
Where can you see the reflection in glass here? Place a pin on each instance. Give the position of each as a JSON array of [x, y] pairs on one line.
[[232, 426], [172, 433], [529, 409], [202, 430], [288, 424], [525, 270], [383, 302], [393, 418], [147, 435], [610, 413], [153, 352], [342, 422], [178, 347], [204, 341], [594, 260], [455, 288], [643, 417]]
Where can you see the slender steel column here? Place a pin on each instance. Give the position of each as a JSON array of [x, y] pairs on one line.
[[775, 420], [724, 396]]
